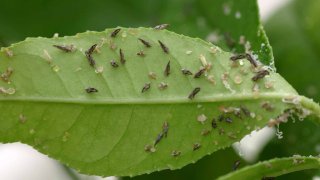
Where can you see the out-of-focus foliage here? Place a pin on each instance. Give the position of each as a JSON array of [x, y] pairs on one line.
[[295, 38]]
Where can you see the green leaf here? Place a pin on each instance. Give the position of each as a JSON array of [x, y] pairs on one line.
[[44, 102], [206, 168], [275, 167]]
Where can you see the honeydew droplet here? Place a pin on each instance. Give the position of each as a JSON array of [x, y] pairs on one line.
[[188, 52], [237, 15], [55, 35], [202, 118], [99, 70], [237, 79], [55, 68]]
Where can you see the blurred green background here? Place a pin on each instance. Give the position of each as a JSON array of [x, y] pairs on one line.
[[293, 32]]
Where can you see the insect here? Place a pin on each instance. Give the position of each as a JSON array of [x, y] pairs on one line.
[[199, 73], [68, 48], [114, 63], [92, 62], [236, 165], [146, 87], [91, 49], [164, 47], [88, 53], [145, 43], [6, 75], [245, 111], [221, 131], [165, 128], [149, 148], [158, 139], [140, 53], [205, 132], [175, 153], [214, 124], [196, 146], [244, 56], [91, 90], [267, 106], [152, 75], [161, 26], [221, 117], [228, 119], [186, 72], [122, 60], [115, 32], [251, 60], [238, 56], [232, 135], [167, 69], [260, 74], [163, 85], [194, 92]]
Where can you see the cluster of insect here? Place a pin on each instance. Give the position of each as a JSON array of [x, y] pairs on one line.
[[227, 113]]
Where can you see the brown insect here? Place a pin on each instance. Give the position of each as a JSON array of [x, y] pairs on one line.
[[145, 43], [69, 48], [161, 26], [115, 32], [196, 146], [194, 92], [199, 73], [205, 132], [238, 56], [245, 111], [91, 90], [88, 53], [251, 60], [114, 64], [164, 47], [167, 69], [91, 49], [122, 60], [236, 165], [140, 53], [163, 85], [6, 75], [260, 74], [221, 117], [175, 153], [146, 87], [221, 131], [267, 106], [186, 72], [214, 124]]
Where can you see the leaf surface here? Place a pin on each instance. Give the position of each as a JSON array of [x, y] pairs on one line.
[[44, 101], [274, 168]]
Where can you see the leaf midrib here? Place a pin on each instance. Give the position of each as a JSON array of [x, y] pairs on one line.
[[215, 98]]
